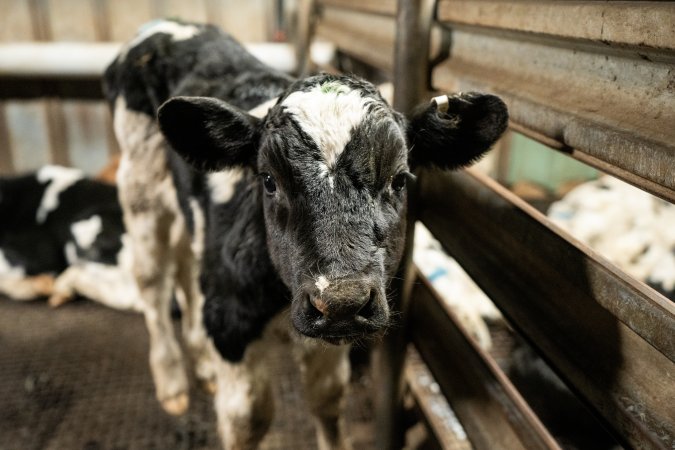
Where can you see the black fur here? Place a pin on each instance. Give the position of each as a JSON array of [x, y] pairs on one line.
[[461, 135], [187, 124]]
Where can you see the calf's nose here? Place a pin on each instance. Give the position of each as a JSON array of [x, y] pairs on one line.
[[341, 300]]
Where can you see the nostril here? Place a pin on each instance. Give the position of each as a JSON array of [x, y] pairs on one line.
[[369, 309], [310, 309]]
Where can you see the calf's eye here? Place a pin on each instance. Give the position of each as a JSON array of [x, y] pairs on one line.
[[269, 183], [398, 182]]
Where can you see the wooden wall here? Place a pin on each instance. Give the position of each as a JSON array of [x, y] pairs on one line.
[[77, 132]]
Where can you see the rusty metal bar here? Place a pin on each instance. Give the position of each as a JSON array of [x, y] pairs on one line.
[[382, 7], [367, 37], [610, 337], [490, 408], [6, 160], [432, 405], [411, 59], [305, 30], [607, 105]]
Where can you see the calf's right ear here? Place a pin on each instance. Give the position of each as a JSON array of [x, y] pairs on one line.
[[455, 131], [208, 133]]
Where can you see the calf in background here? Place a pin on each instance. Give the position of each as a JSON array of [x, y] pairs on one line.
[[62, 235]]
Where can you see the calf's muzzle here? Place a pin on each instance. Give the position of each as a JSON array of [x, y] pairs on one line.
[[340, 310]]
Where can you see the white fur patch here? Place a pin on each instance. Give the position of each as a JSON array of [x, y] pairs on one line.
[[222, 184], [199, 228], [71, 253], [85, 231], [328, 113], [178, 32], [125, 257], [322, 283], [8, 270], [59, 179]]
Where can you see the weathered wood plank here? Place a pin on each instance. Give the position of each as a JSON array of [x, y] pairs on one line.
[[609, 336], [650, 25]]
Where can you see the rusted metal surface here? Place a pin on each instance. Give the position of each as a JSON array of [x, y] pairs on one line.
[[383, 7], [413, 43], [648, 25], [441, 420], [367, 37], [78, 378], [599, 103], [609, 336], [413, 24], [494, 415], [6, 163], [306, 16]]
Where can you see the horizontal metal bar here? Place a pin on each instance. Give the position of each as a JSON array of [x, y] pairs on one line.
[[610, 337], [367, 37], [646, 25], [489, 407], [85, 88], [441, 421], [604, 107], [74, 70], [383, 7]]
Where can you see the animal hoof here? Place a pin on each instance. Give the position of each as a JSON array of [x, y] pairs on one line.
[[177, 405], [44, 284], [209, 386], [56, 300]]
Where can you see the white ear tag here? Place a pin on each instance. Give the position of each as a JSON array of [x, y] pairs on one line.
[[441, 103]]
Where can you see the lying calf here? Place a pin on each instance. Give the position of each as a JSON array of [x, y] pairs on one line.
[[269, 201], [61, 234]]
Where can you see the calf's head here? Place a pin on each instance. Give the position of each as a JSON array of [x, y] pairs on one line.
[[333, 160]]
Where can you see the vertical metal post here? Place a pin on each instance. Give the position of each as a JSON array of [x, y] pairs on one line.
[[303, 40], [411, 66]]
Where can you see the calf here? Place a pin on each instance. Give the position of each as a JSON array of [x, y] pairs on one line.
[[271, 202], [62, 234]]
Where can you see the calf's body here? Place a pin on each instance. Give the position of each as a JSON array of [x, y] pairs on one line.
[[61, 235], [273, 204]]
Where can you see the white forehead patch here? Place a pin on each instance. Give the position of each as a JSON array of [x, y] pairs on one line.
[[328, 113], [222, 184], [85, 231], [178, 32], [59, 179], [322, 284]]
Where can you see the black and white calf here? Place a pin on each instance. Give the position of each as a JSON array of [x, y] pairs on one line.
[[61, 234], [271, 202]]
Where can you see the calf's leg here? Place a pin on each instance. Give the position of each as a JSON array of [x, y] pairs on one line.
[[109, 285], [155, 225], [244, 401], [191, 302], [325, 374]]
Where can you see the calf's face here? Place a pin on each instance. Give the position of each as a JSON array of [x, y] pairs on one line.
[[334, 160]]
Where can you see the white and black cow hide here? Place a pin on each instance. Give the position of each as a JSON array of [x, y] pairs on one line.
[[275, 204], [61, 235], [628, 226]]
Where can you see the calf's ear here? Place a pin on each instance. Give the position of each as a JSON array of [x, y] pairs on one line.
[[209, 133], [454, 131]]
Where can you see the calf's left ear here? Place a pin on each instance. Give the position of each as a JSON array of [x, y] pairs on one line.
[[208, 133], [454, 131]]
